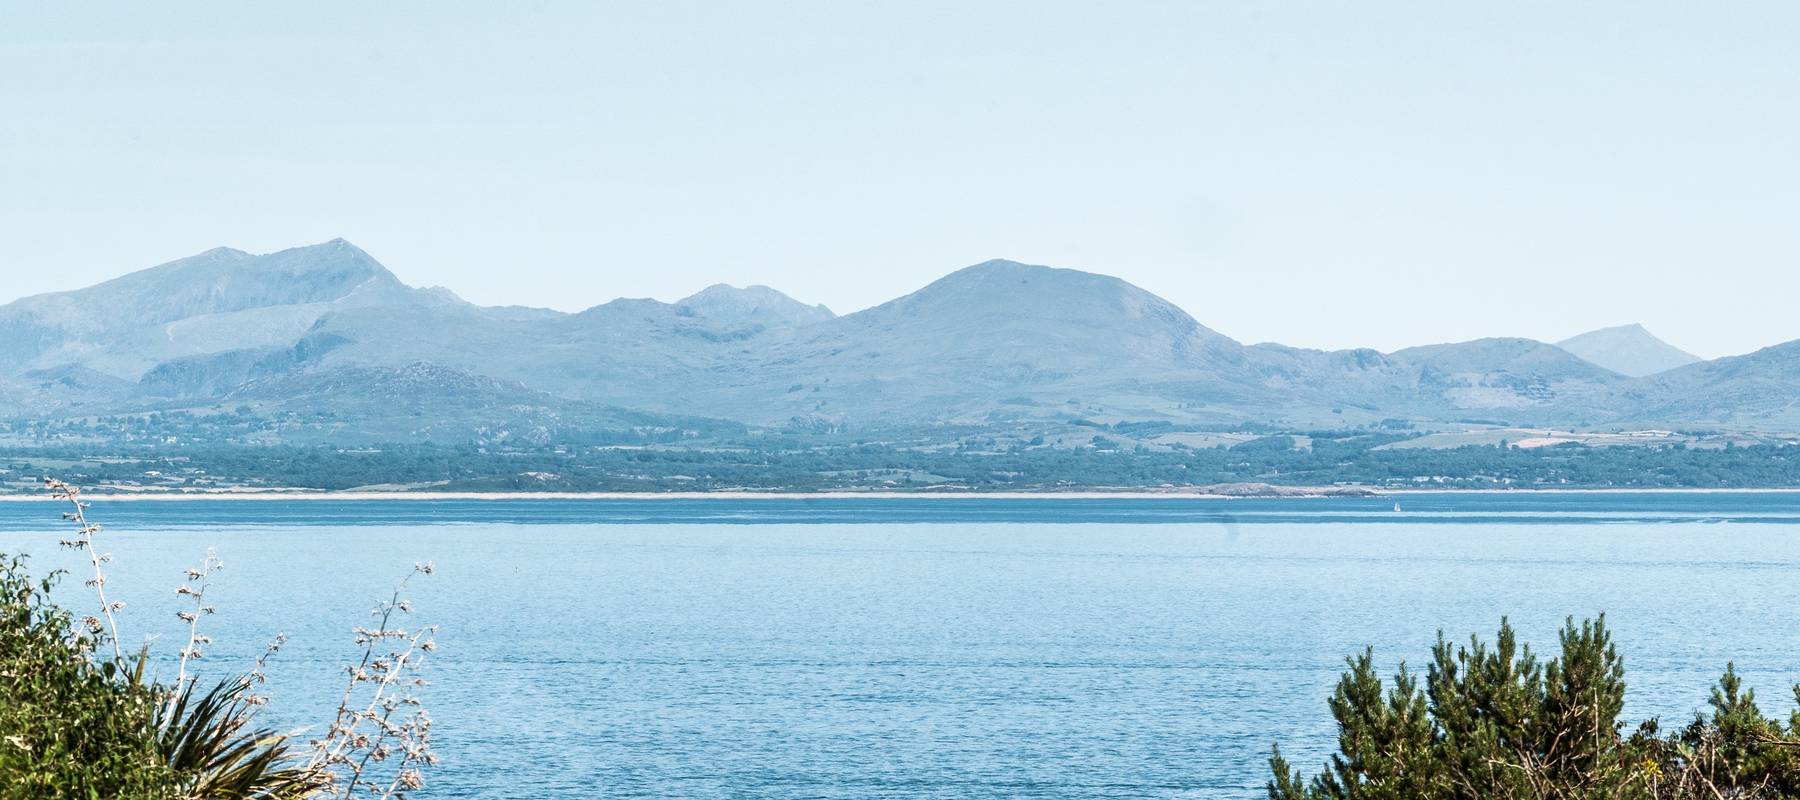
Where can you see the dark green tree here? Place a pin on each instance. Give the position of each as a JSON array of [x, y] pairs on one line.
[[1494, 722]]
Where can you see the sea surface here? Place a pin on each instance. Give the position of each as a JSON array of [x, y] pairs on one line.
[[935, 647]]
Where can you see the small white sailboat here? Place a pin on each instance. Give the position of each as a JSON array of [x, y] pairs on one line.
[[1396, 506]]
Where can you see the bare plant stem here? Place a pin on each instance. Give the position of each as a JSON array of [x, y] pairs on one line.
[[200, 578], [350, 761], [86, 531], [348, 749]]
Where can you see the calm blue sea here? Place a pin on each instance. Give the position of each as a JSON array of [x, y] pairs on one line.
[[867, 648]]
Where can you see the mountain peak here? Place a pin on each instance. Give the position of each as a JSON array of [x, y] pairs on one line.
[[227, 279], [223, 254], [1003, 264], [1011, 288], [1001, 268], [754, 304], [215, 300], [1628, 350], [326, 254], [1019, 307]]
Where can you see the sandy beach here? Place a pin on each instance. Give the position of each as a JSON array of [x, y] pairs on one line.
[[1098, 494]]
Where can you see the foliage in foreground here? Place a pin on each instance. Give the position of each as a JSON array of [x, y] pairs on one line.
[[1495, 722], [76, 725], [68, 726], [78, 719]]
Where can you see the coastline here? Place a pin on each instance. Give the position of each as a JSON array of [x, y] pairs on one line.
[[1295, 493]]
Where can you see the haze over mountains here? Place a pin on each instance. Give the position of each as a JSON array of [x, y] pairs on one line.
[[325, 332]]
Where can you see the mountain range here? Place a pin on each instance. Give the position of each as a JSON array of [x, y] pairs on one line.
[[325, 332]]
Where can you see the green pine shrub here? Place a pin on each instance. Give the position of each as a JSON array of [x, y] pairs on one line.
[[1495, 722]]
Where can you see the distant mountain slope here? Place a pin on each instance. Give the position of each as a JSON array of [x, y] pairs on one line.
[[1509, 355], [1499, 380], [633, 353], [1010, 339], [752, 305], [997, 338], [326, 334], [1628, 350], [429, 402], [1513, 380], [219, 300], [1758, 390]]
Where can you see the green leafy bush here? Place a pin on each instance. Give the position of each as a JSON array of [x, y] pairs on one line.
[[78, 720], [70, 725], [75, 724]]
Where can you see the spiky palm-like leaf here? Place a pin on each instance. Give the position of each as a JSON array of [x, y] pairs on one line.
[[210, 744]]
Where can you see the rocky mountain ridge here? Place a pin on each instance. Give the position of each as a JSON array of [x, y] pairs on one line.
[[326, 330]]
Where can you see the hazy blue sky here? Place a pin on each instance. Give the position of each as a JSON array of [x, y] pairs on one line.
[[1327, 175]]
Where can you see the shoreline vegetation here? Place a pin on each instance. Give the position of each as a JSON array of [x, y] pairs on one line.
[[1495, 721], [1240, 492], [1310, 463], [82, 714], [78, 717]]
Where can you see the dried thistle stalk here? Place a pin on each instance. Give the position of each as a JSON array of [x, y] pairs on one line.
[[378, 747], [84, 540]]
